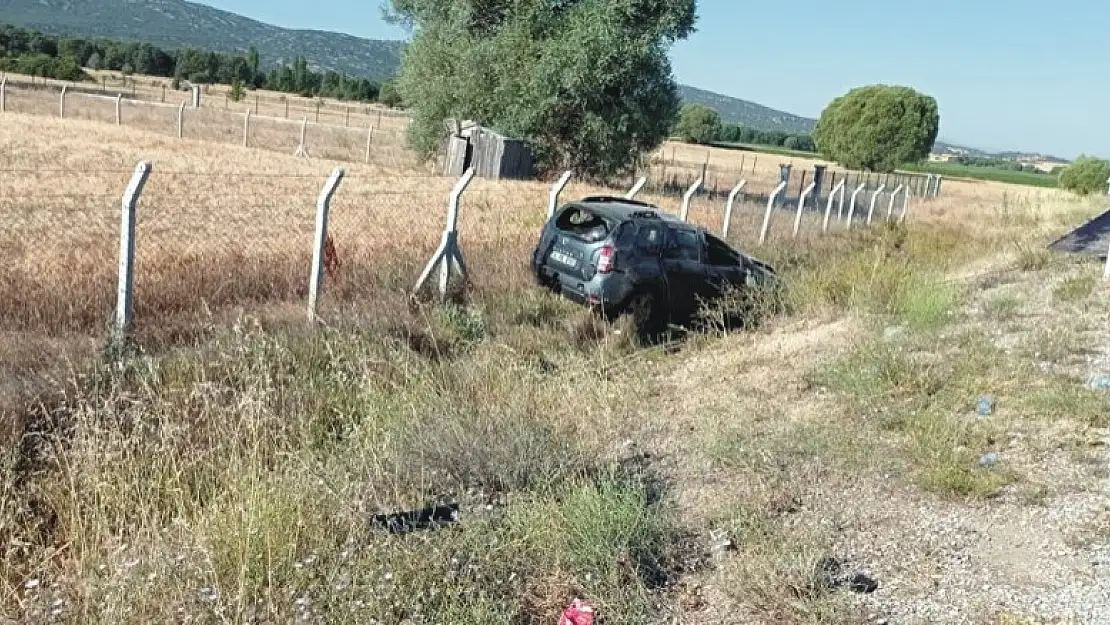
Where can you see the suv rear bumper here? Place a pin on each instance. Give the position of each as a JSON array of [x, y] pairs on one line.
[[605, 292]]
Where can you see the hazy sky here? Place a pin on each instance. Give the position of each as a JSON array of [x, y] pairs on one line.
[[1007, 74]]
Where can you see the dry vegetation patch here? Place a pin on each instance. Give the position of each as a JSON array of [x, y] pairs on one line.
[[229, 466]]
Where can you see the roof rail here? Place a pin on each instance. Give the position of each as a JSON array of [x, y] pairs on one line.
[[616, 199]]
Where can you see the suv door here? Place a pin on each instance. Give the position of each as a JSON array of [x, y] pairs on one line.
[[682, 264], [724, 267]]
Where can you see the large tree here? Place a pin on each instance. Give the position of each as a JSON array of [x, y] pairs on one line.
[[588, 82], [878, 127]]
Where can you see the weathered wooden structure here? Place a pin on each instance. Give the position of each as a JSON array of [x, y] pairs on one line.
[[491, 154]]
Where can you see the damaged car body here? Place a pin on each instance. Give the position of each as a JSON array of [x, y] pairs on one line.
[[623, 256]]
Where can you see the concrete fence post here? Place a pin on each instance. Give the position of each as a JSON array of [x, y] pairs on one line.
[[119, 110], [126, 278], [319, 242], [688, 196], [770, 207], [728, 207], [893, 197], [556, 189], [247, 129], [801, 206], [852, 205], [631, 195], [3, 94], [905, 206], [840, 200], [181, 121], [874, 199], [369, 141], [302, 149], [828, 207], [448, 256], [62, 103]]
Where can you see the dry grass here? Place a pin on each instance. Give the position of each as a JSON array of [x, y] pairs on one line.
[[227, 470], [215, 97], [324, 140]]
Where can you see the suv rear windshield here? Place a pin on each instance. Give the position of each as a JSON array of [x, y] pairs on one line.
[[583, 224]]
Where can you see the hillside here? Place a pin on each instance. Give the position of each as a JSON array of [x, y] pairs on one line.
[[176, 24], [737, 111]]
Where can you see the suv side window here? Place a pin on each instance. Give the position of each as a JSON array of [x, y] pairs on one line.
[[683, 245], [625, 236], [649, 240]]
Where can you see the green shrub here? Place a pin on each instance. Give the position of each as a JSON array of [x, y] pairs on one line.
[[698, 124], [1086, 175]]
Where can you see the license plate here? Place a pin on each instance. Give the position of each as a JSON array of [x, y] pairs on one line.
[[564, 259]]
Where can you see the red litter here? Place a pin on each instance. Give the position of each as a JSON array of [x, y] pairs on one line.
[[577, 613]]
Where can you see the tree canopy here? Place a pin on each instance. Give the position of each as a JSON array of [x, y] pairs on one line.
[[1086, 175], [587, 82], [698, 123], [878, 127]]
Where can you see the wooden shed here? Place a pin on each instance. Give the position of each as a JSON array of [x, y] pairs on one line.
[[492, 154]]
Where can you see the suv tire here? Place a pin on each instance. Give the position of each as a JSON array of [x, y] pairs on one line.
[[647, 314]]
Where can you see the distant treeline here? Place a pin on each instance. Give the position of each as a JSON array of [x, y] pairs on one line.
[[739, 133], [996, 163], [30, 52]]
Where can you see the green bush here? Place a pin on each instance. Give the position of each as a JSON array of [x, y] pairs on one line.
[[1086, 175], [698, 123], [878, 127], [388, 94], [237, 92]]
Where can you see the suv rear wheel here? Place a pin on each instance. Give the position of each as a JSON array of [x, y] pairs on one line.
[[647, 314]]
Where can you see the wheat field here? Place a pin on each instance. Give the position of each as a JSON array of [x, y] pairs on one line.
[[216, 97]]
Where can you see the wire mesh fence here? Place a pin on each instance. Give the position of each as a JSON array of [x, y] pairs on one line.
[[316, 131], [221, 239]]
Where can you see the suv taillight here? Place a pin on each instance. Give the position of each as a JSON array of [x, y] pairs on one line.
[[605, 261]]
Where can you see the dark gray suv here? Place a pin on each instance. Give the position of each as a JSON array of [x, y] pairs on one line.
[[624, 256]]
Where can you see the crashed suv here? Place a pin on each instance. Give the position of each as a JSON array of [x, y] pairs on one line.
[[624, 256]]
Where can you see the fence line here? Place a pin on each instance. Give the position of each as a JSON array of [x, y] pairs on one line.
[[448, 257], [388, 139], [157, 91]]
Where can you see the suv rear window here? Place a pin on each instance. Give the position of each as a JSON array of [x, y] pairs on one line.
[[582, 224]]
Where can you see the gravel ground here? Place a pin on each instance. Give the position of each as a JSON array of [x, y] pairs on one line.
[[970, 564], [981, 562], [1038, 554]]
